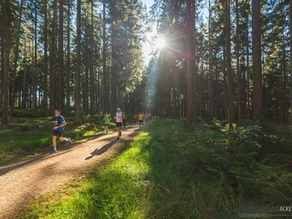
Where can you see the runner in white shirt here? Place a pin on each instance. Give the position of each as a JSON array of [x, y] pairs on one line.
[[119, 121]]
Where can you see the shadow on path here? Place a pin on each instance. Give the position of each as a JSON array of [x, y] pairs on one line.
[[38, 158], [18, 165], [100, 151]]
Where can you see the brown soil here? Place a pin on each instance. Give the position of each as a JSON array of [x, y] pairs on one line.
[[24, 182]]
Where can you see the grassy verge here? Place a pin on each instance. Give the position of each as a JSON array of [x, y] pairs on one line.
[[170, 172]]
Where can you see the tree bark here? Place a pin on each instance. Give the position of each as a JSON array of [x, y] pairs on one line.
[[211, 72], [92, 79], [35, 74], [6, 7], [77, 118], [53, 54], [257, 69], [68, 59], [238, 70], [290, 12], [228, 65], [61, 77], [16, 56], [189, 59], [248, 97], [45, 100], [105, 87]]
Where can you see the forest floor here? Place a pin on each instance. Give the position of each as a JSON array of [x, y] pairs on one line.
[[24, 182]]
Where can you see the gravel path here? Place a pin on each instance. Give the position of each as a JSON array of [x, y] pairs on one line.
[[24, 182]]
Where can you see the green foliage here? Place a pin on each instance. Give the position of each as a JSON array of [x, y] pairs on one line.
[[234, 161]]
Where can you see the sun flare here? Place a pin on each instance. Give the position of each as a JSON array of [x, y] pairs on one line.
[[160, 43]]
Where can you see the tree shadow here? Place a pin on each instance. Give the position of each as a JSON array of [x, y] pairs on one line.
[[34, 160], [100, 151]]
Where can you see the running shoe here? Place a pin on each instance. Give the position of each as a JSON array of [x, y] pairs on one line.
[[53, 151], [69, 141]]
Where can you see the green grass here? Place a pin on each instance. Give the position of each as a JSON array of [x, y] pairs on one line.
[[170, 172], [116, 191]]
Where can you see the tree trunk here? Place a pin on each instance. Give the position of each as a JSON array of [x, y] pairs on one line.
[[238, 70], [92, 79], [114, 76], [45, 100], [35, 74], [211, 74], [77, 118], [193, 58], [257, 69], [2, 70], [24, 78], [86, 70], [105, 87], [189, 59], [290, 59], [16, 56], [68, 60], [7, 21], [228, 65], [61, 58], [53, 53], [284, 93], [248, 98]]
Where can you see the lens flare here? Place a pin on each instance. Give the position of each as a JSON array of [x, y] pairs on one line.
[[160, 43]]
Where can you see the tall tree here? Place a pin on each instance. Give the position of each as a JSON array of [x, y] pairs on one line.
[[16, 58], [105, 87], [91, 68], [68, 62], [228, 64], [77, 117], [211, 72], [189, 60], [35, 56], [6, 16], [238, 70], [53, 61], [290, 31], [60, 96], [256, 60], [45, 100]]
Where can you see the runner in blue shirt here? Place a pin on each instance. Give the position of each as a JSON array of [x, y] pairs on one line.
[[58, 129]]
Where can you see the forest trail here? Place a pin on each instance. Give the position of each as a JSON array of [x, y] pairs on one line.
[[21, 183]]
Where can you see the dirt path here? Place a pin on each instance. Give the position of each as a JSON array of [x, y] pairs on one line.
[[26, 181]]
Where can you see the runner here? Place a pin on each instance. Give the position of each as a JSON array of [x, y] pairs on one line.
[[58, 129], [135, 118], [147, 117], [119, 122], [141, 118], [106, 120]]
